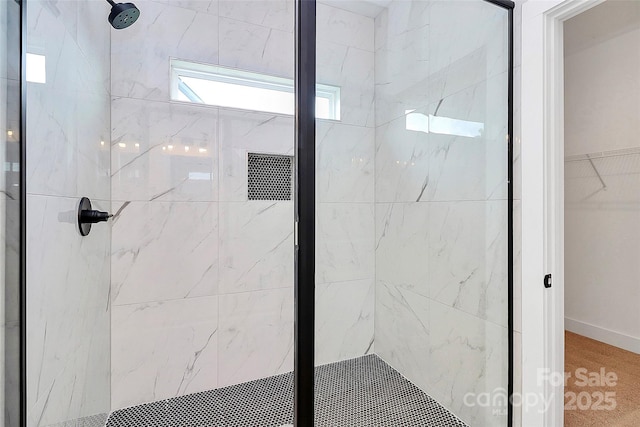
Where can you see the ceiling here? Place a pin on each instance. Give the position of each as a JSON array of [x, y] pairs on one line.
[[598, 24]]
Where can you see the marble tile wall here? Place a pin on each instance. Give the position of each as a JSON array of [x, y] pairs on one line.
[[202, 278], [68, 311], [440, 199]]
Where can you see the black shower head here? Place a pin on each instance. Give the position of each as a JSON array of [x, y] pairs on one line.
[[122, 14]]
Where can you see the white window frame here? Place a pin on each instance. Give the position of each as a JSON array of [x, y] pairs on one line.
[[181, 68]]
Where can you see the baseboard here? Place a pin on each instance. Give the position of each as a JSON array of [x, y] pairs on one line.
[[607, 336]]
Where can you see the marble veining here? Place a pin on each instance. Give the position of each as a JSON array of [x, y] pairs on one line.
[[402, 162], [468, 268], [256, 48], [68, 313], [402, 242], [344, 242], [344, 320], [467, 355], [163, 151], [276, 14], [345, 162], [164, 349], [256, 335], [256, 246], [164, 250], [140, 55]]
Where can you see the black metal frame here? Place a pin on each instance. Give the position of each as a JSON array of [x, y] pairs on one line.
[[305, 206], [305, 36], [510, 5], [23, 213]]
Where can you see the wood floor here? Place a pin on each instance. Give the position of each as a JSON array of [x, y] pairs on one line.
[[582, 352]]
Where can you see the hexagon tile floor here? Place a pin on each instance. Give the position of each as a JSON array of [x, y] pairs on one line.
[[362, 392]]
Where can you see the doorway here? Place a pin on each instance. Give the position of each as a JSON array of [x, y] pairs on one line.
[[602, 208], [543, 203]]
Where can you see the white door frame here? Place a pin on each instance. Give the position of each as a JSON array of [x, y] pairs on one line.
[[543, 207]]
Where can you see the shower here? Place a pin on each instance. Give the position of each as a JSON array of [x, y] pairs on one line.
[[123, 15], [337, 261]]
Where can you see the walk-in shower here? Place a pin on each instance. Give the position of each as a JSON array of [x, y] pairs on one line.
[[311, 213]]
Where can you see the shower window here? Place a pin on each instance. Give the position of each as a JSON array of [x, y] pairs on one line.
[[227, 87]]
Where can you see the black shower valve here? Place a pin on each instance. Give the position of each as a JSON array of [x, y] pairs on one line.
[[88, 216], [94, 216]]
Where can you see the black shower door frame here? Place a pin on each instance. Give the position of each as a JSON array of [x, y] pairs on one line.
[[305, 187]]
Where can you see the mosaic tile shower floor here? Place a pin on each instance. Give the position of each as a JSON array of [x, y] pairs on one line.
[[362, 392]]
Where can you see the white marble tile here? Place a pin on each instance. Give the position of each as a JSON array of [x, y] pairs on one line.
[[345, 162], [458, 57], [402, 332], [344, 27], [164, 151], [163, 349], [94, 43], [402, 237], [276, 14], [242, 132], [344, 320], [164, 250], [402, 162], [52, 33], [68, 115], [67, 313], [140, 55], [207, 6], [468, 355], [402, 60], [52, 166], [344, 242], [468, 257], [256, 335], [256, 48], [400, 18], [256, 246], [94, 158], [352, 70], [464, 167]]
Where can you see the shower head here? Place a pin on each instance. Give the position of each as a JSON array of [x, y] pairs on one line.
[[123, 14]]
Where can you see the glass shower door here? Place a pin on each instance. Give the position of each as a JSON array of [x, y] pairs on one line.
[[412, 268], [10, 197]]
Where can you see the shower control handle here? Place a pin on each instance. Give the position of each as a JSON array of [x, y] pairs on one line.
[[88, 216], [91, 217]]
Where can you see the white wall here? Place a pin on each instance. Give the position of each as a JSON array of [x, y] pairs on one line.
[[602, 231], [68, 275], [202, 278]]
